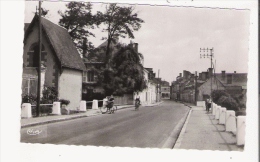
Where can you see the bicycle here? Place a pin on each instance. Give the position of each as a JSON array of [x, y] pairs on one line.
[[137, 104], [107, 109]]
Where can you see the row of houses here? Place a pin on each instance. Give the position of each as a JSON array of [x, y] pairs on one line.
[[73, 77], [190, 87]]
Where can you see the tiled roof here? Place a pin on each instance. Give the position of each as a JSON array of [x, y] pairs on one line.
[[26, 25], [238, 79], [62, 44], [99, 55]]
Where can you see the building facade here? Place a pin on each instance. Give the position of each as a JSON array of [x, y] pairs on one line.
[[192, 88], [61, 63]]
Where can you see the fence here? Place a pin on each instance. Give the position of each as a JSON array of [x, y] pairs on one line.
[[233, 123]]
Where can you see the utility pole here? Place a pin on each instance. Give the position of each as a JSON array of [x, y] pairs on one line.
[[208, 53], [195, 97], [158, 86], [39, 62]]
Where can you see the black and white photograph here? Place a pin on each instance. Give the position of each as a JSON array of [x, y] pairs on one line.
[[143, 76]]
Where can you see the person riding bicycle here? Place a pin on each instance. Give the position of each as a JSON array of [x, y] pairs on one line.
[[137, 102], [110, 103]]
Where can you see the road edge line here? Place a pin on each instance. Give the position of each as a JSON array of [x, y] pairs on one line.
[[181, 135], [170, 142]]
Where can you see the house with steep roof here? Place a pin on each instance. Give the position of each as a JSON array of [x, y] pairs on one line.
[[96, 60], [62, 66]]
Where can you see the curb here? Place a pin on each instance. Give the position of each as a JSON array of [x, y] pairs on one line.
[[130, 106], [171, 141], [70, 118], [58, 120], [181, 135], [153, 104]]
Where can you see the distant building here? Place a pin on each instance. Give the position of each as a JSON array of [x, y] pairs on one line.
[[165, 90], [148, 95], [189, 88]]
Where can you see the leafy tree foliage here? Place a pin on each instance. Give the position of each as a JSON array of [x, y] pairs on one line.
[[224, 99], [126, 74], [120, 22], [78, 19], [44, 12]]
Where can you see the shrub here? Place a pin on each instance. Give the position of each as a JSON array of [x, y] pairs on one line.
[[49, 95], [45, 109], [32, 99], [217, 94], [64, 102], [228, 102]]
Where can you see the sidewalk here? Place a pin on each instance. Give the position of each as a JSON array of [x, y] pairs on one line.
[[202, 132], [57, 118]]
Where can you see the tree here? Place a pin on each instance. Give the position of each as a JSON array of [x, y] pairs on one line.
[[119, 22], [126, 74], [44, 12], [78, 19]]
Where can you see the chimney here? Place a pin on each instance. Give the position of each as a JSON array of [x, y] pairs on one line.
[[210, 70], [136, 47], [180, 75], [185, 74], [235, 72], [223, 74], [204, 76]]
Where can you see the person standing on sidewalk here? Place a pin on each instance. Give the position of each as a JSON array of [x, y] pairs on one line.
[[208, 104]]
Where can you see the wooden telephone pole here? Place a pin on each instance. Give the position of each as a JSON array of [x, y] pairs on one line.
[[208, 53], [39, 63]]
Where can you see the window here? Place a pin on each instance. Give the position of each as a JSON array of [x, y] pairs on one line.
[[84, 76], [90, 76]]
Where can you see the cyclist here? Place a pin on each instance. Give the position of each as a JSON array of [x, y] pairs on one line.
[[137, 102], [110, 103]]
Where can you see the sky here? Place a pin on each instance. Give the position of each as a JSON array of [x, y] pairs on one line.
[[171, 36]]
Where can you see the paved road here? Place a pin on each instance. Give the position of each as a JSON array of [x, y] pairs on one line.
[[148, 127]]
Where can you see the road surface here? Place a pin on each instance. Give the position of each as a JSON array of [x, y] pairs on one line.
[[148, 127]]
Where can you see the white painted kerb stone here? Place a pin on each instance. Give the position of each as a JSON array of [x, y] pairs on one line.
[[217, 112], [214, 109], [222, 116], [95, 104], [231, 121], [105, 102], [56, 108], [82, 106], [26, 110], [241, 127]]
